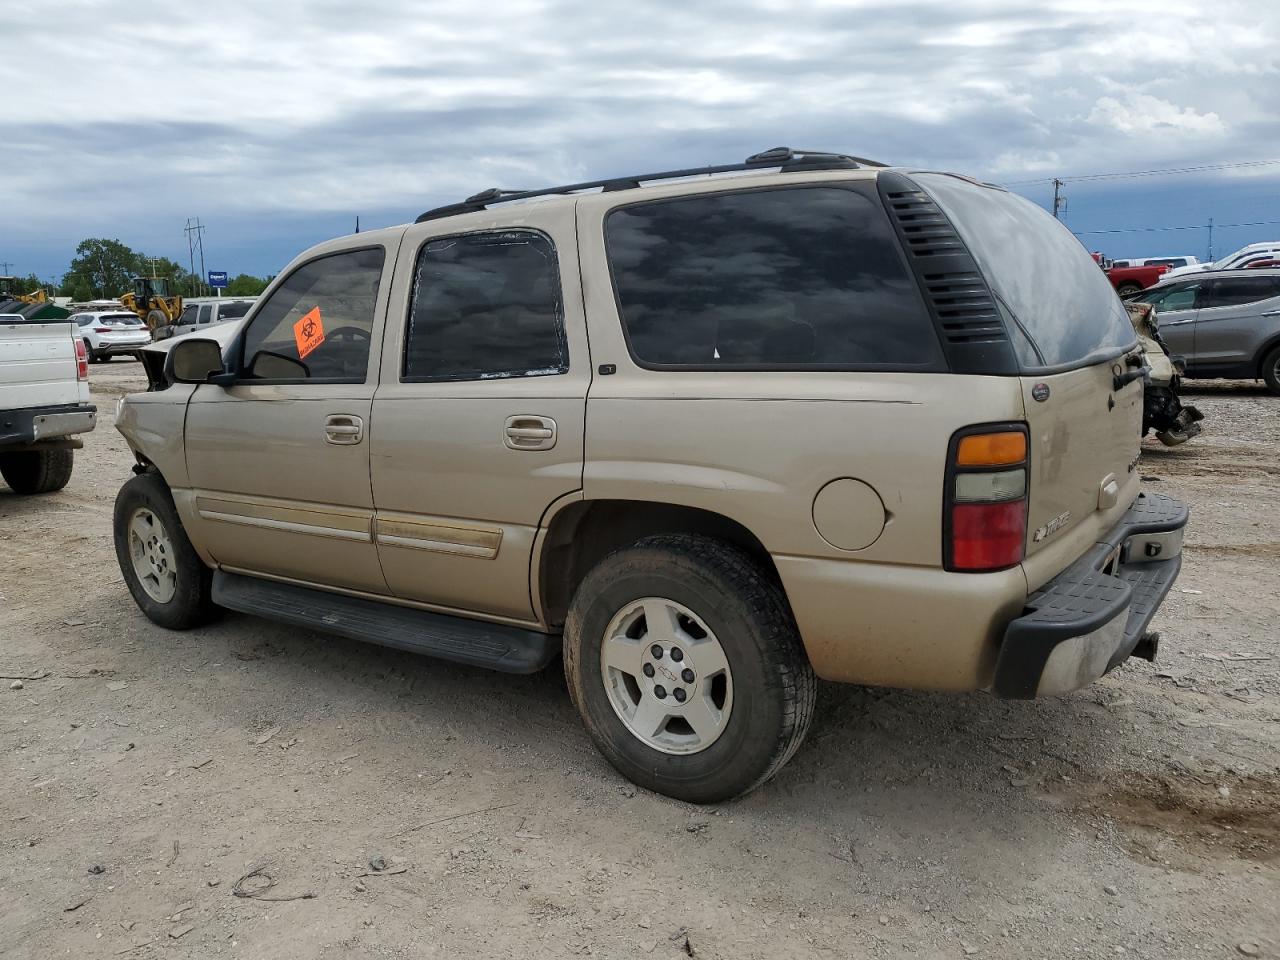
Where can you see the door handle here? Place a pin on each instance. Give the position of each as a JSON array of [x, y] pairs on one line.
[[1272, 313], [530, 433], [343, 429]]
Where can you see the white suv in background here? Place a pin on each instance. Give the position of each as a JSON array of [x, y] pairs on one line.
[[1244, 257], [107, 333]]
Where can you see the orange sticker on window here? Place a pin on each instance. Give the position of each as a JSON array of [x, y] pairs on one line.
[[308, 332]]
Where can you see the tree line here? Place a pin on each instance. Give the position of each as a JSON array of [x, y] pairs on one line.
[[103, 269]]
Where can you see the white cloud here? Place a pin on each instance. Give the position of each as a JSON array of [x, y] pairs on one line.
[[1143, 113]]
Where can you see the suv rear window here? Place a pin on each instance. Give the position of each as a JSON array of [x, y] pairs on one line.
[[799, 277], [1059, 299]]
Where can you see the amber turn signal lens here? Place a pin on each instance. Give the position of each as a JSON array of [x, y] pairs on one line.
[[992, 449]]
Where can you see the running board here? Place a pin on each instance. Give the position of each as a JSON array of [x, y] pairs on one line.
[[474, 642]]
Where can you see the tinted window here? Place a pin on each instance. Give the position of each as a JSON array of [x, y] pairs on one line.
[[188, 315], [1046, 279], [486, 306], [1176, 296], [1236, 291], [205, 312], [84, 321], [230, 311], [320, 319], [799, 277]]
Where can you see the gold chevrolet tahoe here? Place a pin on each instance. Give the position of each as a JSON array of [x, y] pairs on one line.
[[709, 434]]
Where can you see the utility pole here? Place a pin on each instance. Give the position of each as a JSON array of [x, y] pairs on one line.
[[5, 265], [1059, 201], [195, 241], [1211, 239]]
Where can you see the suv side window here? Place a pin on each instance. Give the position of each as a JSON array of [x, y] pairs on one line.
[[1237, 291], [793, 277], [485, 306], [1178, 296], [317, 325]]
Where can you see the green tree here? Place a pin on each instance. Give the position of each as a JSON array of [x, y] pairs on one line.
[[101, 268], [244, 285]]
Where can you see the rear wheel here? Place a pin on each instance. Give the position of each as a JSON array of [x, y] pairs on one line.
[[37, 471], [169, 582], [684, 661], [1129, 289], [1271, 370]]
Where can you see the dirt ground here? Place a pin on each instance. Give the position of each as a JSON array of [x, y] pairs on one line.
[[145, 773]]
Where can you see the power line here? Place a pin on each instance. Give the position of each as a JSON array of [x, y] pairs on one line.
[[1197, 226], [1168, 171]]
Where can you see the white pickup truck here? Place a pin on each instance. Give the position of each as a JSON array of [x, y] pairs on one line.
[[44, 402]]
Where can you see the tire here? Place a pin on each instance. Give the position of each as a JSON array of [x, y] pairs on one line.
[[37, 471], [766, 688], [1129, 289], [178, 586], [88, 352], [1271, 370]]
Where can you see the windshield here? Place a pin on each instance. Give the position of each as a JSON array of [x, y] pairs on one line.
[[1061, 303]]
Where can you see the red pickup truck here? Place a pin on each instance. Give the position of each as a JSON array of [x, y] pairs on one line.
[[1129, 280]]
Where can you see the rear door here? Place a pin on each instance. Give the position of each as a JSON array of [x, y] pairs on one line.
[[1072, 336], [1236, 315], [479, 419]]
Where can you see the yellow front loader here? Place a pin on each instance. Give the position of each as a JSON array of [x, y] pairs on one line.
[[151, 300]]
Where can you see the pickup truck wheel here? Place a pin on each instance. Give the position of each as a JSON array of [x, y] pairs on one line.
[[168, 581], [1129, 289], [1271, 370], [37, 471], [684, 661]]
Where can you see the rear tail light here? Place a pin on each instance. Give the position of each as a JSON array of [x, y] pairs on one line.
[[101, 329], [985, 524], [82, 359]]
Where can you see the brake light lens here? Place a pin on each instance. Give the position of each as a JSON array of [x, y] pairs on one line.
[[986, 506], [101, 329], [82, 359]]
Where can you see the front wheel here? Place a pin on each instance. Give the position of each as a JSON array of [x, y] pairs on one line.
[[683, 658], [1271, 370], [168, 581]]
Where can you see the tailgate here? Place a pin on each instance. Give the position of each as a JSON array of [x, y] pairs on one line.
[[37, 366], [1085, 438]]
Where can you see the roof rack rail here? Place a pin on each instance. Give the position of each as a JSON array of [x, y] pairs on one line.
[[786, 159]]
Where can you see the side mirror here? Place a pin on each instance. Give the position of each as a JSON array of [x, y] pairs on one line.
[[266, 365], [193, 361]]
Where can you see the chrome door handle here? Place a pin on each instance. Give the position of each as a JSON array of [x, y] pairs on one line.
[[343, 429], [530, 433], [1272, 313]]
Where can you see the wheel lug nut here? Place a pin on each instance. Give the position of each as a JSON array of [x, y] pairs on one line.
[[686, 675], [656, 651], [679, 694], [648, 670], [677, 654], [660, 692]]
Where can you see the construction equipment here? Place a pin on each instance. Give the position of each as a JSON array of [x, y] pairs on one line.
[[9, 291], [151, 300], [35, 305]]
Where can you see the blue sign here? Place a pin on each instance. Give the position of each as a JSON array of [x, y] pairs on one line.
[[217, 278]]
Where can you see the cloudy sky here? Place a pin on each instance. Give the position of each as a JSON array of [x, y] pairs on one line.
[[278, 122]]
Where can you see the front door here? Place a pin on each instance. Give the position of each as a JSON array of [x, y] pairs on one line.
[[1176, 314], [279, 462], [479, 419]]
